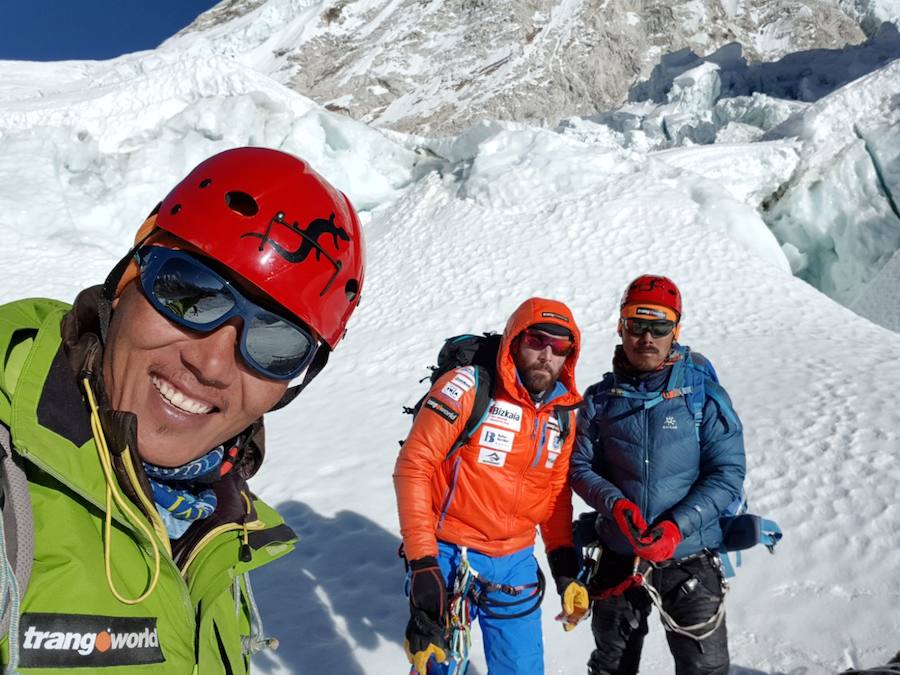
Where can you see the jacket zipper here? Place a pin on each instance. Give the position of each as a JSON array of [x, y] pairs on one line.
[[450, 490], [519, 483], [645, 468], [539, 451]]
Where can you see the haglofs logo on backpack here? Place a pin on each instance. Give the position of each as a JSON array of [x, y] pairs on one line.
[[87, 641]]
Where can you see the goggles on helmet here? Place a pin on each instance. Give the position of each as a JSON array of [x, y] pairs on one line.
[[538, 341], [656, 328], [193, 295]]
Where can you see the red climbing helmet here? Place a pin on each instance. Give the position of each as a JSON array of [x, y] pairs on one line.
[[649, 289], [278, 225]]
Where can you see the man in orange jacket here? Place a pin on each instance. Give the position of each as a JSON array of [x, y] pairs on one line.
[[468, 515]]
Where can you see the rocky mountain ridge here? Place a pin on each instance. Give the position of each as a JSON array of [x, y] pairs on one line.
[[435, 67]]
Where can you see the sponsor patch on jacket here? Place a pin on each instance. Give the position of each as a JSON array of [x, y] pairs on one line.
[[491, 457], [506, 415], [87, 641], [554, 440], [464, 378], [555, 315], [451, 390], [551, 460], [443, 410], [496, 439], [554, 436]]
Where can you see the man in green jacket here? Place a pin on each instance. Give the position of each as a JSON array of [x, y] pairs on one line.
[[136, 417]]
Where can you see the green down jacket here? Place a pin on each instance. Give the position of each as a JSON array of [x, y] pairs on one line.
[[197, 618]]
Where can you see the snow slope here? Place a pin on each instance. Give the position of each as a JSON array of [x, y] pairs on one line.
[[459, 232]]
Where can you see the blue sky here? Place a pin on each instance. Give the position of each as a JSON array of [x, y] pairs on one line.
[[54, 30]]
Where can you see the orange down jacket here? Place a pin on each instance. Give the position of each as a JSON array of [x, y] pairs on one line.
[[511, 474]]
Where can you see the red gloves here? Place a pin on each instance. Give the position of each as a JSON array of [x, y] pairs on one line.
[[655, 543]]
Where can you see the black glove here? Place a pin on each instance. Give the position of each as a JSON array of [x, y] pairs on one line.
[[427, 634], [563, 566]]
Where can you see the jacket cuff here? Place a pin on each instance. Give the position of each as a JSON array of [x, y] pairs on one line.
[[563, 563], [423, 563]]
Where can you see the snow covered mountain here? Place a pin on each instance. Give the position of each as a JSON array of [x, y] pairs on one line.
[[686, 182], [436, 67]]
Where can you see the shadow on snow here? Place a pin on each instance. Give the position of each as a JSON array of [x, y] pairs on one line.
[[337, 596]]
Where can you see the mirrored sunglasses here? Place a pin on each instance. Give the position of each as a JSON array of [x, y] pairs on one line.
[[192, 295], [657, 328], [538, 341]]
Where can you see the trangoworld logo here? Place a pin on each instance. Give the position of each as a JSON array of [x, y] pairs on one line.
[[84, 641]]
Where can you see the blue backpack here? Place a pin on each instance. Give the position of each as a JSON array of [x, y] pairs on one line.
[[687, 379]]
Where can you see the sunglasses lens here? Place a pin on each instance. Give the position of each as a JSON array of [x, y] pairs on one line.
[[658, 329], [559, 346], [661, 328], [278, 348], [191, 294]]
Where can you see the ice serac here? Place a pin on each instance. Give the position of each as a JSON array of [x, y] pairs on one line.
[[838, 215], [435, 67]]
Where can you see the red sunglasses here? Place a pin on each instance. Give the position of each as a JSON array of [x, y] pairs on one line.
[[538, 341]]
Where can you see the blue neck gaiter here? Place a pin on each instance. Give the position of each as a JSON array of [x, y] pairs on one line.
[[183, 494]]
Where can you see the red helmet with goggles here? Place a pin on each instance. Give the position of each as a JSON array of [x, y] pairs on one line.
[[649, 289], [278, 225]]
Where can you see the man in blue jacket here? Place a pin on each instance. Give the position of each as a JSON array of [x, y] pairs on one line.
[[659, 453]]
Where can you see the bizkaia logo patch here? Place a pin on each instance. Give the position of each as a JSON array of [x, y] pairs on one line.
[[87, 641], [506, 415]]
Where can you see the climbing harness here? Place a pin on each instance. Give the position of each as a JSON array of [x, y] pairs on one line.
[[641, 574], [471, 589]]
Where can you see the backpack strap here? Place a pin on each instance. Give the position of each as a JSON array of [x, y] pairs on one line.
[[16, 543], [563, 419], [675, 387], [479, 409]]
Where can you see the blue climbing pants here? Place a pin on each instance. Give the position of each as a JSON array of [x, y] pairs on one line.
[[512, 646]]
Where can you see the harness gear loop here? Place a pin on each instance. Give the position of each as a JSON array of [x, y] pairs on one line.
[[459, 615]]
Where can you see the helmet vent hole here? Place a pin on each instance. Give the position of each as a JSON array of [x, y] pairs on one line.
[[351, 288], [241, 202], [205, 182], [175, 209]]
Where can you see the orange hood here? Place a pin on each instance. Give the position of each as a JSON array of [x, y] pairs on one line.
[[530, 312]]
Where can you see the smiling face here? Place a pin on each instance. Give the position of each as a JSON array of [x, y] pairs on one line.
[[190, 391]]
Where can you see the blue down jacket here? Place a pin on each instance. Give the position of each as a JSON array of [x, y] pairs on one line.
[[675, 463]]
